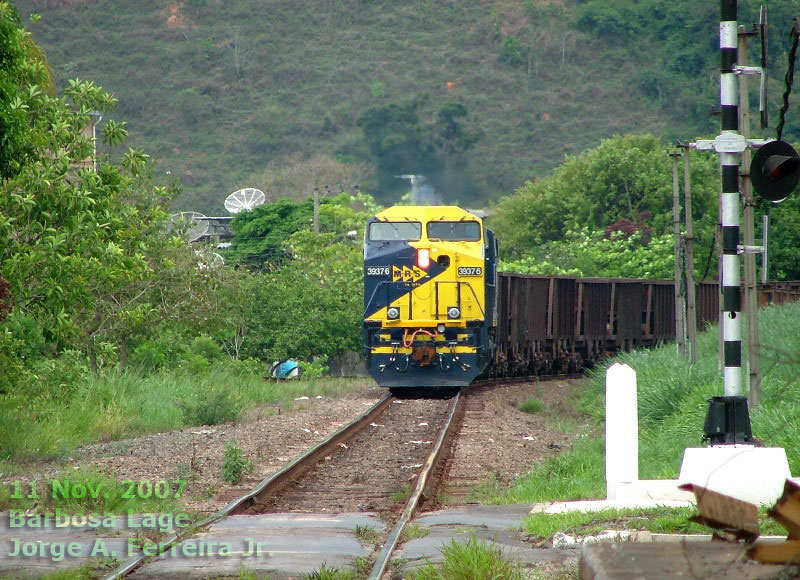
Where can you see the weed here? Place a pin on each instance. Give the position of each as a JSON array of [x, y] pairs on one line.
[[401, 494], [117, 448], [246, 573], [398, 563], [553, 572], [471, 560], [487, 491], [234, 464], [363, 565], [325, 573], [208, 492], [366, 534], [187, 471], [412, 531], [530, 406], [92, 568]]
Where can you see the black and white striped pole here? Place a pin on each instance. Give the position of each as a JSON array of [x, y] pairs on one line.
[[728, 419], [729, 201], [756, 475], [775, 173]]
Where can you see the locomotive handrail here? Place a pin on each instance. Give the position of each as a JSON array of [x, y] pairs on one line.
[[375, 291]]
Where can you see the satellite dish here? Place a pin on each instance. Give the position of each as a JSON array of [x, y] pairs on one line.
[[208, 260], [189, 224], [244, 199]]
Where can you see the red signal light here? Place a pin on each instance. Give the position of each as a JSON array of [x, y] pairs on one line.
[[780, 167], [775, 170]]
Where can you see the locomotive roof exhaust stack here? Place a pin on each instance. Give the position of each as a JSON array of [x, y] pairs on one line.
[[421, 194]]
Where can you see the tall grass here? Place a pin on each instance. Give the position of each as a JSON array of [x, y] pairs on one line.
[[37, 423], [672, 402], [471, 560]]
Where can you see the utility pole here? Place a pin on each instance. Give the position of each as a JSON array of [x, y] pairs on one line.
[[680, 326], [691, 295], [750, 295]]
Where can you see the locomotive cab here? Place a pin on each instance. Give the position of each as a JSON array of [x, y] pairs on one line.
[[430, 296]]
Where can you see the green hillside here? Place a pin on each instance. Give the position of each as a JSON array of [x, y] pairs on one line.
[[269, 93]]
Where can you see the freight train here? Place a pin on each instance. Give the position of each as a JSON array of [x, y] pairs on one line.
[[438, 314]]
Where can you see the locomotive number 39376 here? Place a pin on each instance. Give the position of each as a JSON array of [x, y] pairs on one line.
[[378, 271], [470, 271]]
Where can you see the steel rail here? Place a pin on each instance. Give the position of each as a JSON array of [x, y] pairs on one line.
[[265, 488], [424, 481]]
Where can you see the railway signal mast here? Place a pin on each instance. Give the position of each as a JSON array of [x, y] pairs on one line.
[[724, 466], [775, 172]]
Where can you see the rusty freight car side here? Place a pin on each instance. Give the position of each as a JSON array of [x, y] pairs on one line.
[[557, 324]]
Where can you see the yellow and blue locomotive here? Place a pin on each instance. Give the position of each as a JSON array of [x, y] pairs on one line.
[[430, 297]]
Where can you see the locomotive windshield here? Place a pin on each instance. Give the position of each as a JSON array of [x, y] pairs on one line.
[[454, 231], [395, 231]]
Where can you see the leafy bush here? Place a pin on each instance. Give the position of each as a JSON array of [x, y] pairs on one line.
[[510, 50], [14, 372], [299, 310], [206, 347], [235, 465], [313, 370], [530, 406], [210, 408], [152, 355], [592, 254]]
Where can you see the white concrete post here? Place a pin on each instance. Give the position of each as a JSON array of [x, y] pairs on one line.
[[622, 429]]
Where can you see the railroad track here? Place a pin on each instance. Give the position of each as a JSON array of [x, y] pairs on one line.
[[420, 431]]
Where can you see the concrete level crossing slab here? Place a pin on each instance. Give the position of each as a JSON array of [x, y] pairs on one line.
[[501, 525], [284, 545]]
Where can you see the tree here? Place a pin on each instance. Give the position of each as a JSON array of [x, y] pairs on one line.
[[312, 304], [260, 235], [397, 139], [784, 239], [620, 179], [510, 50], [600, 254], [452, 135], [401, 142], [22, 67], [68, 234], [84, 252]]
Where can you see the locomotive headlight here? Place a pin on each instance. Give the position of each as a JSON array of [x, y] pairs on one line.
[[440, 328], [453, 312], [423, 258], [393, 313]]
